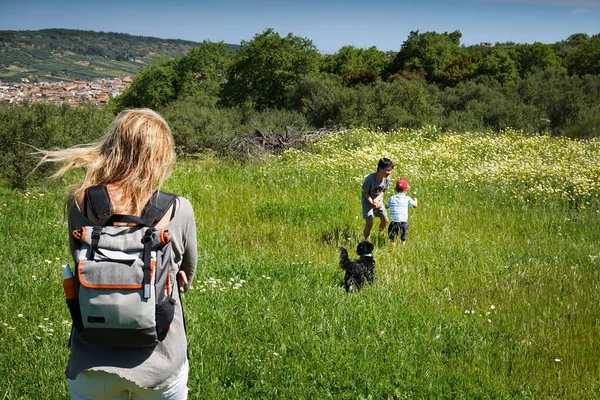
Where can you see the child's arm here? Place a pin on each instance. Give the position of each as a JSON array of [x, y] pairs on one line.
[[377, 200], [415, 202], [367, 197], [374, 202]]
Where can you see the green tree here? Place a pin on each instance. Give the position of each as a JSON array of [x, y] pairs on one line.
[[267, 67], [345, 60], [463, 66], [43, 126], [350, 58], [487, 104], [585, 58], [153, 87], [204, 69], [429, 51], [499, 65], [537, 56], [563, 47]]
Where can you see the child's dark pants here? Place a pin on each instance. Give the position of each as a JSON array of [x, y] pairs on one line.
[[396, 228]]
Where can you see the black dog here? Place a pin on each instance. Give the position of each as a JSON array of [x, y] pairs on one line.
[[358, 271]]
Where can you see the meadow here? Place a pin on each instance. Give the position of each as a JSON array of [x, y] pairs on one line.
[[495, 295]]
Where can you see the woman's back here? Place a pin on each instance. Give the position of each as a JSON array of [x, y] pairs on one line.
[[131, 161]]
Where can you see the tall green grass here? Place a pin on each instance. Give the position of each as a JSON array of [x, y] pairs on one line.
[[494, 296]]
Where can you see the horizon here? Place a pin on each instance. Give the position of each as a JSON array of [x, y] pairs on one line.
[[331, 25]]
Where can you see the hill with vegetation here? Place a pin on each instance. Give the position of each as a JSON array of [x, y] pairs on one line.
[[67, 54]]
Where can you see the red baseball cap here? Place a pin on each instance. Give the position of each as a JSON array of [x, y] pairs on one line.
[[401, 184]]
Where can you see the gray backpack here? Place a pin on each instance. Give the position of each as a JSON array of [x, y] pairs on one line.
[[122, 274]]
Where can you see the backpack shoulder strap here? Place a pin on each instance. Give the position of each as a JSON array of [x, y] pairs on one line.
[[98, 200], [156, 208]]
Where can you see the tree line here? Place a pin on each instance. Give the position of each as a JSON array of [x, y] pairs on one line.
[[214, 95], [432, 79]]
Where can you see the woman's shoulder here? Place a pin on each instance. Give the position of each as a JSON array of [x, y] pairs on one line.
[[75, 217], [184, 203], [184, 211], [74, 211]]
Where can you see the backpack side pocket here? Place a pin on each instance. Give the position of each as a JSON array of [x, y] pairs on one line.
[[165, 312]]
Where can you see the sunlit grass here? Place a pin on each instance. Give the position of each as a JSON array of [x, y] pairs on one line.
[[531, 167], [495, 295]]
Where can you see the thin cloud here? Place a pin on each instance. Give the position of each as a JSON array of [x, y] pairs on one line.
[[581, 11], [580, 4]]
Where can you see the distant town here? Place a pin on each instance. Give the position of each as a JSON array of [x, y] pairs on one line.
[[98, 91]]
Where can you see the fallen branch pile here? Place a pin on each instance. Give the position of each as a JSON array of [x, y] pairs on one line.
[[262, 142]]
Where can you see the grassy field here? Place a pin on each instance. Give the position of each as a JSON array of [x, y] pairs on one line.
[[495, 295]]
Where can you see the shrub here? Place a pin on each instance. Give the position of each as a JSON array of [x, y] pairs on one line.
[[43, 126], [197, 124], [321, 100]]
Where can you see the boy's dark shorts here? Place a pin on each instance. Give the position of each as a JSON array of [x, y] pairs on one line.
[[396, 228]]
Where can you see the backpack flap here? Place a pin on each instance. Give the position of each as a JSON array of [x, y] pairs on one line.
[[104, 283], [114, 311]]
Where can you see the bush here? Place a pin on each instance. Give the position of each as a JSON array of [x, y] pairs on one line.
[[588, 126], [321, 100], [197, 124], [408, 103], [488, 105], [43, 126]]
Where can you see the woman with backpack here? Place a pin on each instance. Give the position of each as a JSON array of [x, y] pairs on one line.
[[126, 168]]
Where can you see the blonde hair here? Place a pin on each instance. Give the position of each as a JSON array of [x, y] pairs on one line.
[[137, 156]]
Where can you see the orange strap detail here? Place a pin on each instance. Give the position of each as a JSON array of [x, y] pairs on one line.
[[168, 285], [165, 236], [79, 234]]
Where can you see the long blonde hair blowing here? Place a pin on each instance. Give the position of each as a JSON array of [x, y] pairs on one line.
[[137, 156]]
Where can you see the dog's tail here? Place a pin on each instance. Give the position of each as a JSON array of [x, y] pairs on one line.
[[344, 260]]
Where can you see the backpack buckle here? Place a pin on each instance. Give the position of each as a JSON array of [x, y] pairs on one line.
[[96, 232], [147, 235], [147, 240]]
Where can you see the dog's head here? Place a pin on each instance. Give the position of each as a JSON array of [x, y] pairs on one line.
[[364, 248]]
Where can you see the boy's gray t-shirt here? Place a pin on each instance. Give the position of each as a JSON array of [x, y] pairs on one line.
[[373, 186]]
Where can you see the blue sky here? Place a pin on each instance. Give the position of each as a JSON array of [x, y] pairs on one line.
[[329, 24]]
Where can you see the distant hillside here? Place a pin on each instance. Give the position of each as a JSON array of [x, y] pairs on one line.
[[66, 54]]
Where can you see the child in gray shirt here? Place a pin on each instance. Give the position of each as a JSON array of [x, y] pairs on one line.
[[373, 187]]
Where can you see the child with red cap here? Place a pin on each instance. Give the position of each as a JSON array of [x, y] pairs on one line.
[[398, 205]]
